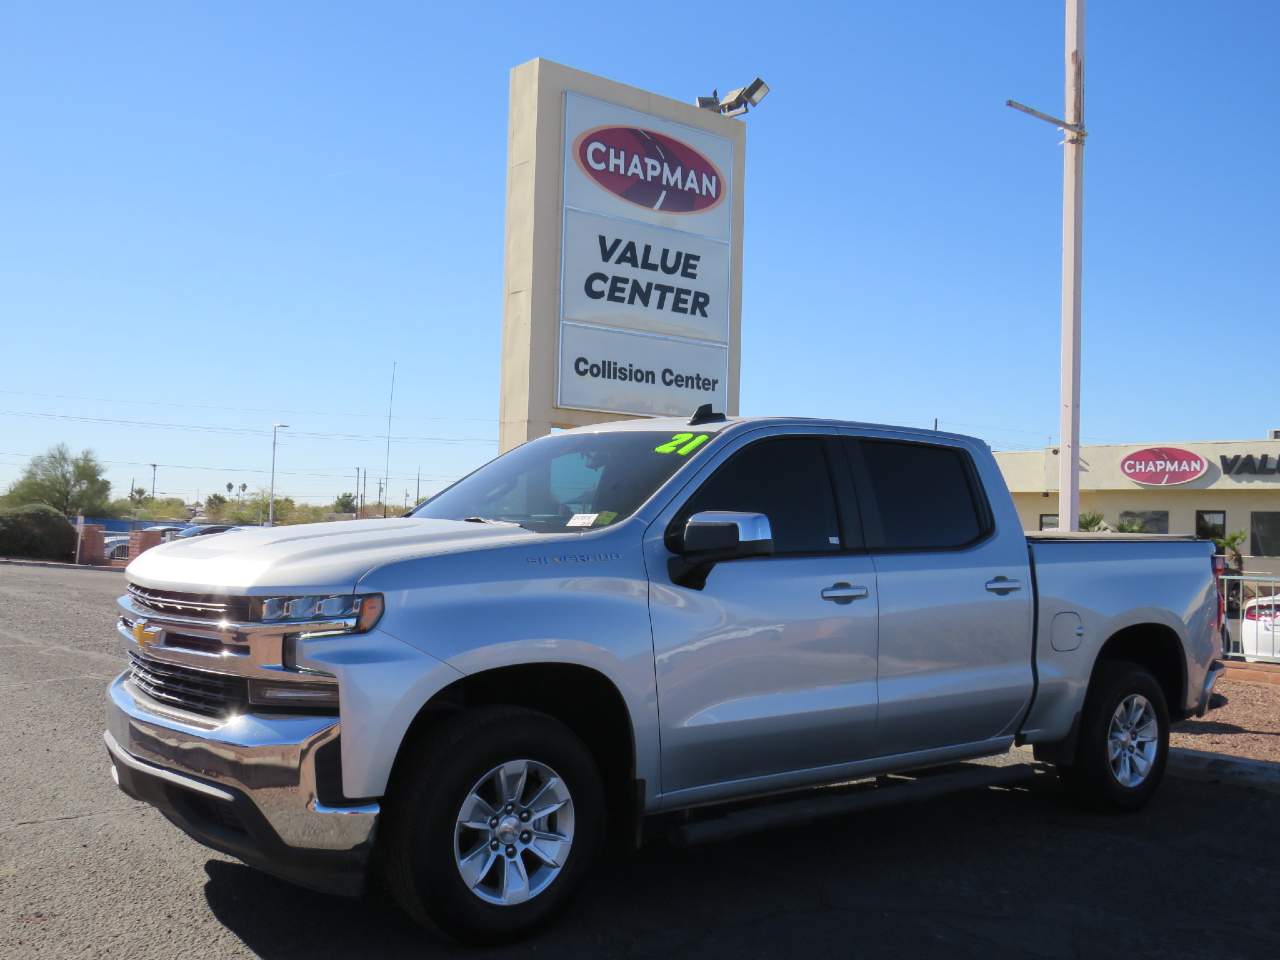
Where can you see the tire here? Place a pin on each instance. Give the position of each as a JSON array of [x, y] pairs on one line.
[[465, 760], [1130, 781]]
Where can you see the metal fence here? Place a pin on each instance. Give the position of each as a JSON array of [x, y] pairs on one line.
[[1251, 630]]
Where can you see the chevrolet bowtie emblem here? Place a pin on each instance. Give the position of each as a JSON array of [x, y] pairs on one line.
[[145, 635]]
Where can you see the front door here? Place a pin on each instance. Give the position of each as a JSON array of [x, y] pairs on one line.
[[758, 673]]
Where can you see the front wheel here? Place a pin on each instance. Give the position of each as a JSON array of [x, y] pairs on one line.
[[496, 817], [1124, 740]]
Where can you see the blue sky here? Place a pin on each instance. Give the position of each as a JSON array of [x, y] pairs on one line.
[[215, 216]]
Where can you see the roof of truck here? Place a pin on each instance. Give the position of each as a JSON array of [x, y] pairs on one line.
[[679, 424]]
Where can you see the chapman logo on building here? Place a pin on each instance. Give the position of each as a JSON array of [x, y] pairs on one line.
[[649, 169], [1163, 466]]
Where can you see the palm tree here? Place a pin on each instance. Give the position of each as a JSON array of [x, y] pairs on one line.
[[1230, 545], [230, 486]]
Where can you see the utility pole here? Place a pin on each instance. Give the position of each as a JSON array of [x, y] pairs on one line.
[[153, 481], [1074, 134], [364, 492], [417, 491], [355, 493], [386, 466], [271, 509]]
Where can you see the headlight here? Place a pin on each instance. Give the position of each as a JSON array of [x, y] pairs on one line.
[[360, 612]]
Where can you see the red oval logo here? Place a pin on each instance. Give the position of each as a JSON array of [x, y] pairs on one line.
[[649, 169], [1161, 466]]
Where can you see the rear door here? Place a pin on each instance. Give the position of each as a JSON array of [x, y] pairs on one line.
[[955, 619]]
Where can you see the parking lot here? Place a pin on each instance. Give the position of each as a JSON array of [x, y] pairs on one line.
[[84, 871]]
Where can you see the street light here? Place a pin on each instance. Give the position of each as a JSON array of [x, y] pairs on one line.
[[271, 508], [1074, 134], [735, 102]]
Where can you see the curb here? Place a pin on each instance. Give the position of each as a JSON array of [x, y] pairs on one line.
[[1251, 672], [1223, 768], [54, 564]]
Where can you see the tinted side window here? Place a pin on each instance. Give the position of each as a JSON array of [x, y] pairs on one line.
[[786, 479], [923, 493]]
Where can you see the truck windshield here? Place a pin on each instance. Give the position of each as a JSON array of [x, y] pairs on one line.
[[568, 482]]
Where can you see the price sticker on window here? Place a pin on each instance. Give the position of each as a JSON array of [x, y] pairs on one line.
[[682, 444]]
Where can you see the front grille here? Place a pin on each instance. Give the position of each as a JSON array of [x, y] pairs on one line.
[[214, 695], [199, 606]]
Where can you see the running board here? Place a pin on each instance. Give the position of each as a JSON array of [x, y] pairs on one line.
[[842, 799]]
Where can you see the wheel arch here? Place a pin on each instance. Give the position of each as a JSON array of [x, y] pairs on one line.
[[583, 698], [1156, 647]]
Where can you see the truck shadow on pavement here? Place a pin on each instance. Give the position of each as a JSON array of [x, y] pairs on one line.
[[994, 872]]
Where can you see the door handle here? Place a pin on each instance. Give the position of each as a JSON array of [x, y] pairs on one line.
[[844, 593], [1003, 585]]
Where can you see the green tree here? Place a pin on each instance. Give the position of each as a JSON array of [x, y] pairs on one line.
[[1230, 545], [344, 503], [71, 485], [214, 505], [138, 496], [163, 508]]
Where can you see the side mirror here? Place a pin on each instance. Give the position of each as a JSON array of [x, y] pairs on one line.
[[714, 536]]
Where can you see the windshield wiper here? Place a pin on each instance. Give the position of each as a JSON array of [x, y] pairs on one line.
[[489, 520]]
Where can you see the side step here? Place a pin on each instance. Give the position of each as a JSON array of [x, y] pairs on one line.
[[842, 799]]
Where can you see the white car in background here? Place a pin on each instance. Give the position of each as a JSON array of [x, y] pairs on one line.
[[116, 547], [1259, 631]]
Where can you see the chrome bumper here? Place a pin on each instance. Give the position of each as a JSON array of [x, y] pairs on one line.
[[265, 789]]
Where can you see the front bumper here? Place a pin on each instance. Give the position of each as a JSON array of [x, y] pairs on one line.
[[251, 787]]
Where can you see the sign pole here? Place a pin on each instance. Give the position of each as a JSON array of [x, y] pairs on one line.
[[1072, 216]]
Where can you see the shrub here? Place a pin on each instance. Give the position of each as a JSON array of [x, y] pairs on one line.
[[37, 531]]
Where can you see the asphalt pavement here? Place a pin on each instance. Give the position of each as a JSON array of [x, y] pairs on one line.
[[86, 872]]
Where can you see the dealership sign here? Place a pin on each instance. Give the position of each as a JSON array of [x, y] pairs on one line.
[[1163, 466], [649, 169], [645, 266]]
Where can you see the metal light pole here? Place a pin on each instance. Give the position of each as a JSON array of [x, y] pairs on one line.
[[1072, 222], [153, 482], [271, 508]]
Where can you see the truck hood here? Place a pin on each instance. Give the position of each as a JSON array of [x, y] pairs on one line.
[[309, 558]]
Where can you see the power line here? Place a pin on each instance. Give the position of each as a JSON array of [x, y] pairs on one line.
[[316, 473], [240, 431], [231, 409]]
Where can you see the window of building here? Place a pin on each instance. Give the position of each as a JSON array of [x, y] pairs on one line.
[[786, 479], [1149, 521], [1211, 524], [924, 495], [1048, 521], [1264, 533]]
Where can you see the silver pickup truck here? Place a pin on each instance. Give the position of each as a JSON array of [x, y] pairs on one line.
[[624, 620]]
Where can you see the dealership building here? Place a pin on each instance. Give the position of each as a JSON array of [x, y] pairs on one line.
[[1207, 488]]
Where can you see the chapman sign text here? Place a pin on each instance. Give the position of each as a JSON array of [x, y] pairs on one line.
[[1163, 466], [645, 284]]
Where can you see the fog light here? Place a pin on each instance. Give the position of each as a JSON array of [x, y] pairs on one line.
[[292, 693]]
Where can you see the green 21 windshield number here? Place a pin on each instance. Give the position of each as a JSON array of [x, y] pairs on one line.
[[682, 444]]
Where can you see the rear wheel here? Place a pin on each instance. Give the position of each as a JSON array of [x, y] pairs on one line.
[[495, 819], [1124, 740]]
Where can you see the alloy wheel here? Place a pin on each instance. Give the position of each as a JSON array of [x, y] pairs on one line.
[[514, 832]]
